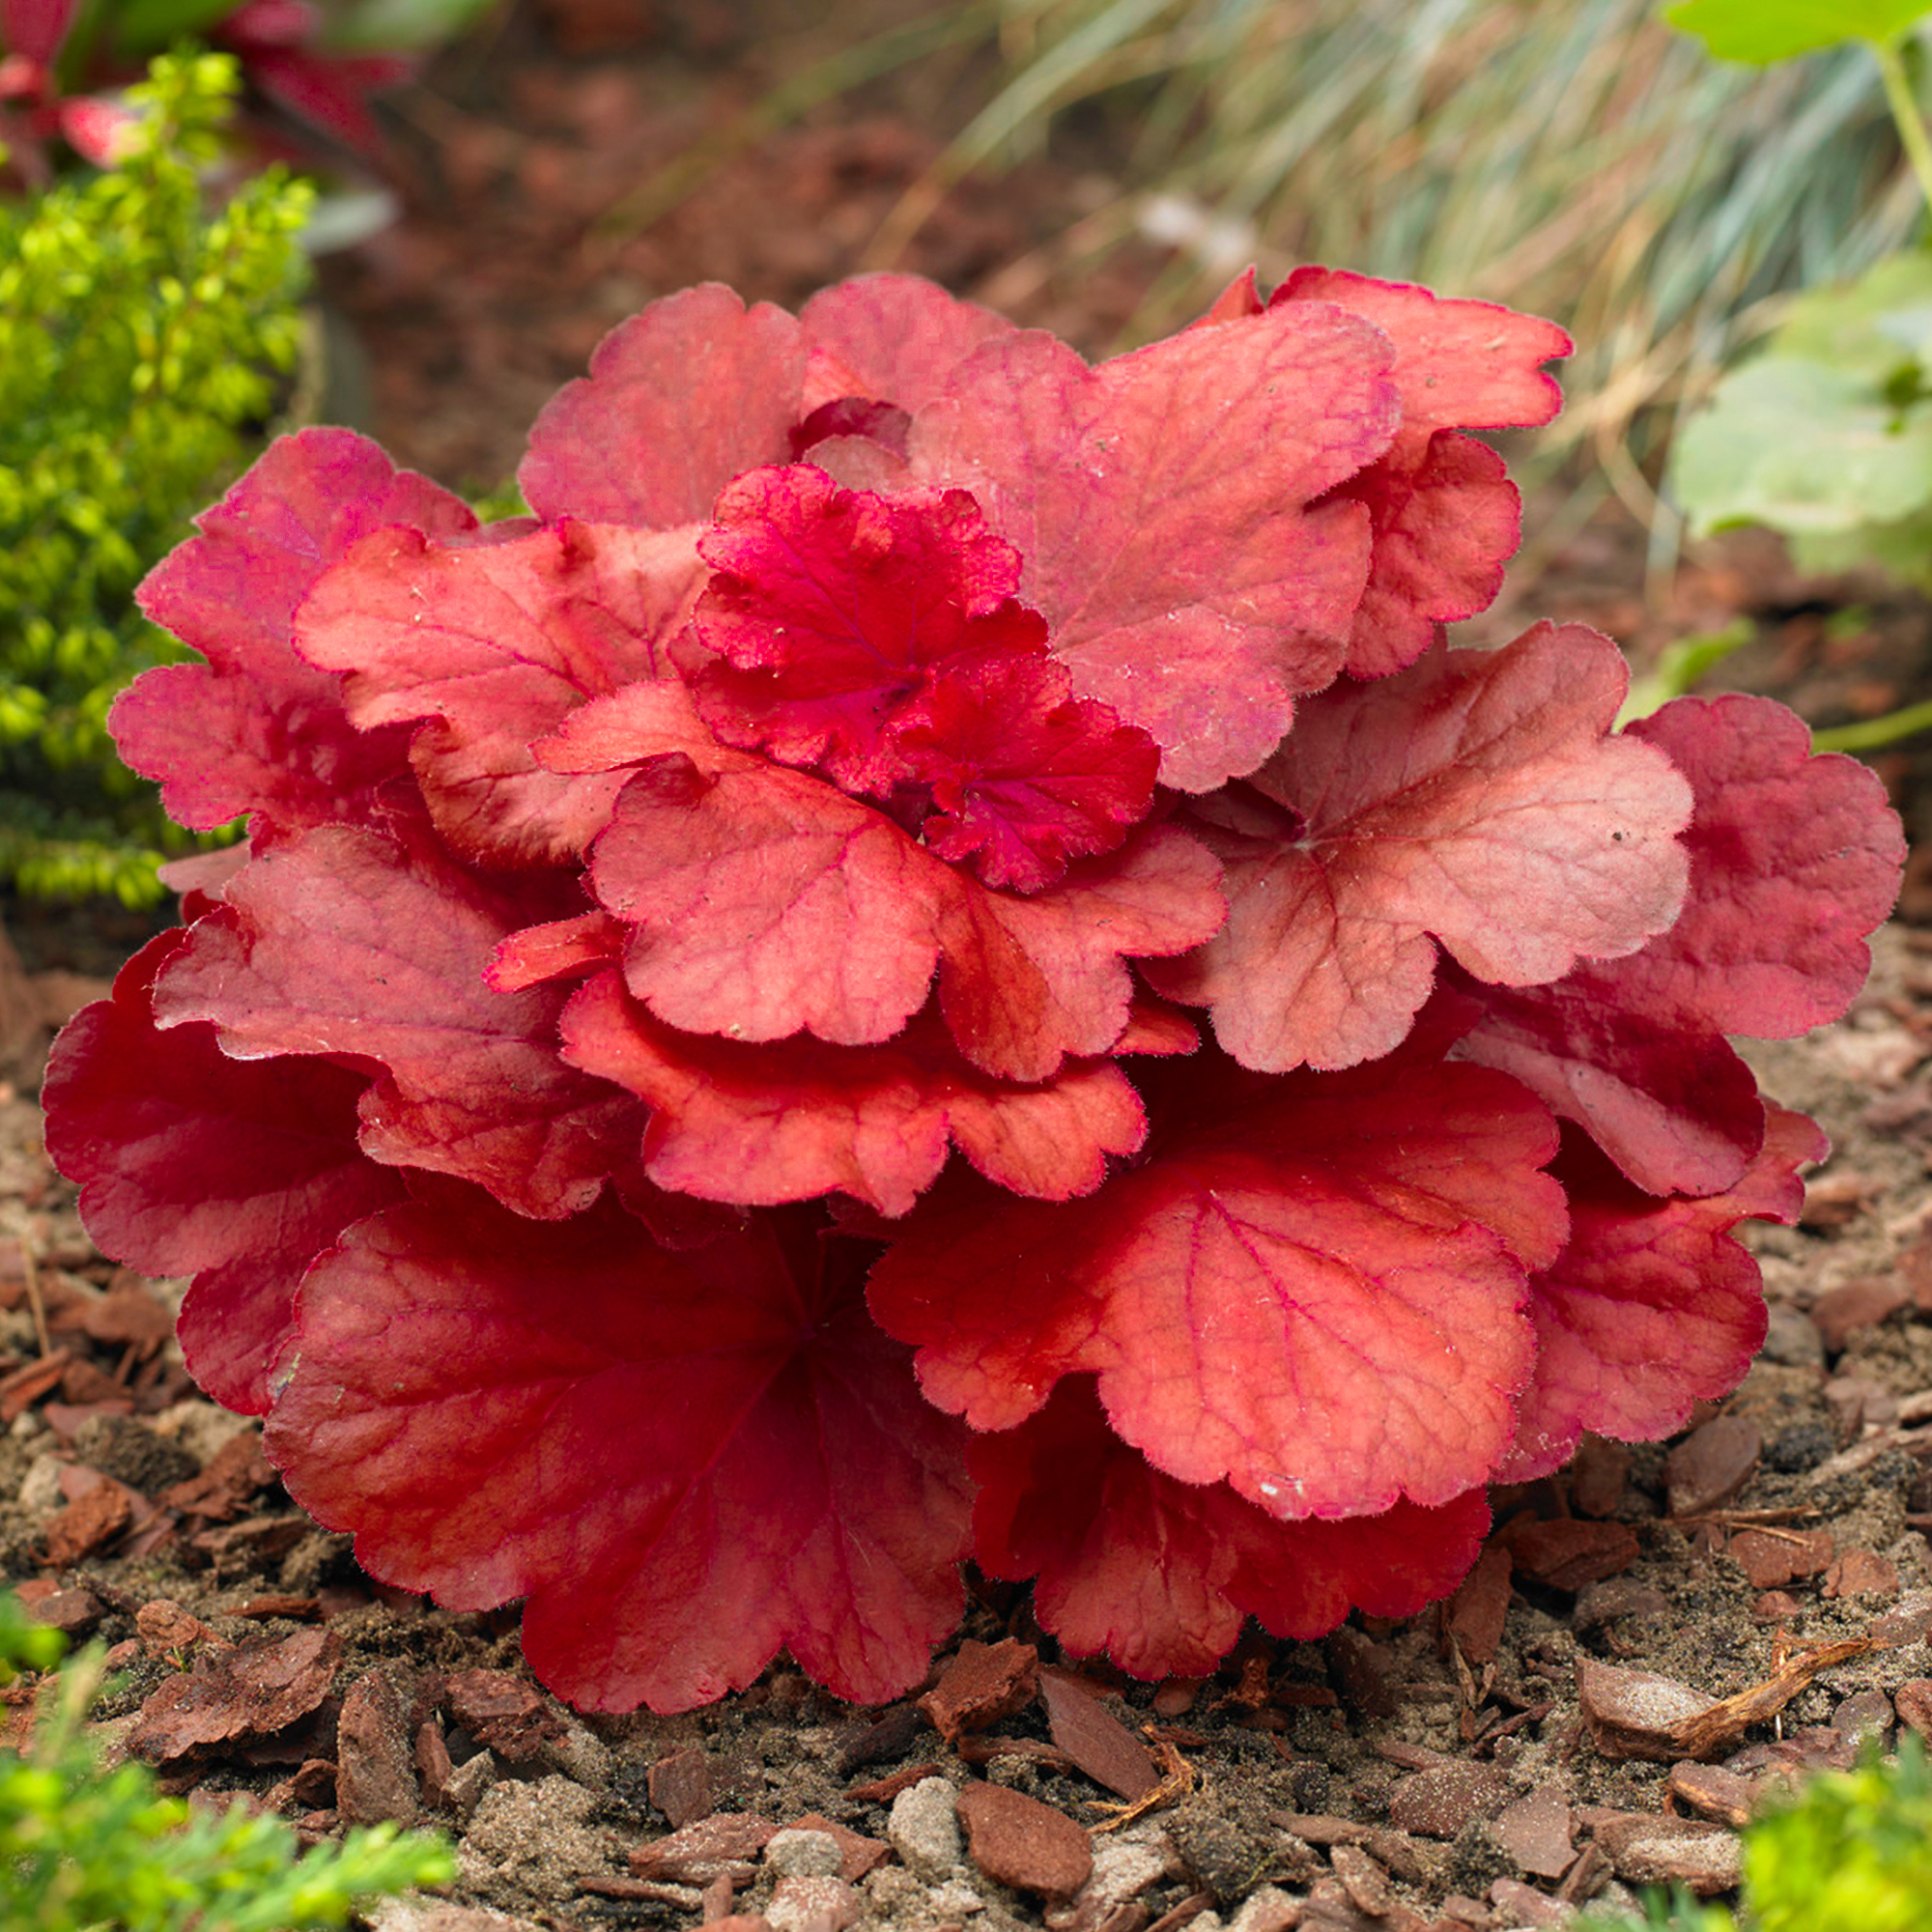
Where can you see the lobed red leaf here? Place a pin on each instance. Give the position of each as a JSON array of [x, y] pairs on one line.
[[794, 1118], [1794, 859], [347, 943], [1473, 802], [682, 1460], [1164, 505], [1312, 1289], [1160, 1575], [236, 1172], [1653, 1305]]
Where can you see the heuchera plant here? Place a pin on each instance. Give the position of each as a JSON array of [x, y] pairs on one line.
[[937, 959]]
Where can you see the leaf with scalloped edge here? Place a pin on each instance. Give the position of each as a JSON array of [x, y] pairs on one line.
[[681, 1462], [1312, 1287], [1653, 1304], [236, 1172], [1160, 1575], [1474, 802]]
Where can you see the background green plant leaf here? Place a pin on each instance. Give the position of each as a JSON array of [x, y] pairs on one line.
[[1870, 328], [1759, 32], [1802, 447]]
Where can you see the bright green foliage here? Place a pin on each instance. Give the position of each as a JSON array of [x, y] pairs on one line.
[[1827, 437], [142, 339], [87, 1851], [1763, 31], [1853, 1849]]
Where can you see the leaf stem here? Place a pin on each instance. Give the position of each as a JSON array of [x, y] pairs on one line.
[[1869, 735], [1905, 113]]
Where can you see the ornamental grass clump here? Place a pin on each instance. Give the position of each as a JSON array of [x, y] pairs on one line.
[[935, 958]]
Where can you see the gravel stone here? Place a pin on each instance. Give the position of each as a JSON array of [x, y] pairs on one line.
[[796, 1853], [924, 1829]]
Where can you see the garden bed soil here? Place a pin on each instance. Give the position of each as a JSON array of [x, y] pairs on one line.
[[1483, 1764]]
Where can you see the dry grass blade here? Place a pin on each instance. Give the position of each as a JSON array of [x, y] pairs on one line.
[[1576, 160]]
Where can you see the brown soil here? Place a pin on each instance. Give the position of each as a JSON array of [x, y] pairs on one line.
[[1442, 1772]]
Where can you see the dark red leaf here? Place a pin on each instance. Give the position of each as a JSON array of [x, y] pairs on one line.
[[1160, 1575], [1653, 1305], [682, 1461], [238, 1172]]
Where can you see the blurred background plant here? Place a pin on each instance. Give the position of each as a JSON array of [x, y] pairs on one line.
[[1825, 434], [84, 1849], [144, 341], [308, 70], [1575, 157], [1847, 1849]]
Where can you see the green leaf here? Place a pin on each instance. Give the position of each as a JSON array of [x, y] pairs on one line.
[[1803, 448], [1759, 32], [402, 26], [142, 26], [1870, 328]]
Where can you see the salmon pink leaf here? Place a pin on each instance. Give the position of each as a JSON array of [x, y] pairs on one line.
[[1474, 801], [497, 646], [793, 1119], [190, 1163], [1458, 364], [1160, 1575], [680, 400], [681, 1460], [1164, 506], [1794, 859], [1653, 1304], [346, 943], [765, 902], [255, 729], [1314, 1290], [1444, 514], [893, 338]]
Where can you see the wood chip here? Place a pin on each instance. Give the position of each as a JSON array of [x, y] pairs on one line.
[[1095, 1740]]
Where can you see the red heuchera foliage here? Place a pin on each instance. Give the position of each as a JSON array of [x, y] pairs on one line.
[[892, 738]]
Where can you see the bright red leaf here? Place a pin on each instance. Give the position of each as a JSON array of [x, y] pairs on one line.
[[1794, 859], [682, 1460], [345, 941], [1653, 1305], [1164, 506], [793, 1119], [1473, 802], [236, 1172], [832, 610], [1160, 1575], [1311, 1287]]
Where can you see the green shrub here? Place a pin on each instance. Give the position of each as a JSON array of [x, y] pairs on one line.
[[1852, 1849], [83, 1850], [143, 338]]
